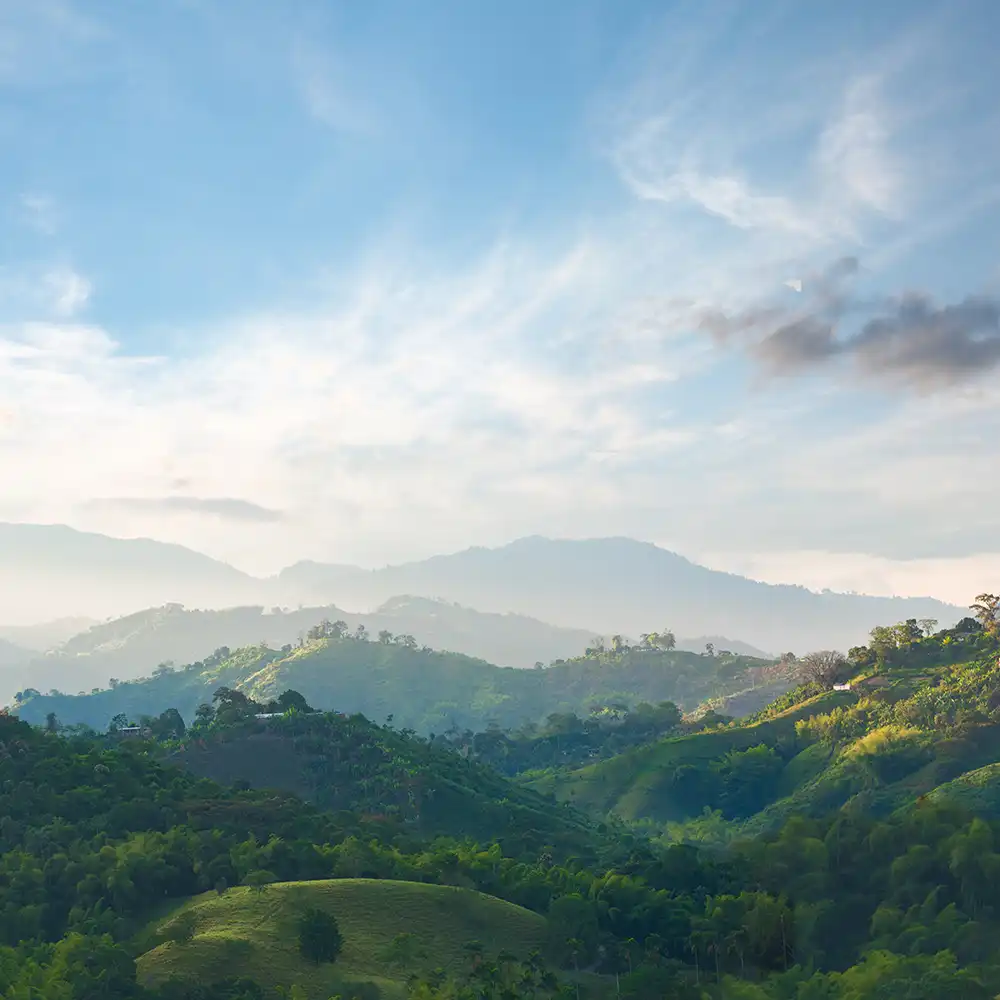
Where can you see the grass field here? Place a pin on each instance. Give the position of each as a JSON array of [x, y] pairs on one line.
[[248, 933]]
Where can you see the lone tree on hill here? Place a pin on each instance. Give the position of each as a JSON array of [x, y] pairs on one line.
[[319, 936], [826, 666]]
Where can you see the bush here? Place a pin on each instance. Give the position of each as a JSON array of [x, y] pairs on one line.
[[319, 936]]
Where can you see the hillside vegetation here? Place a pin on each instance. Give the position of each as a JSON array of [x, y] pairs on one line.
[[392, 930], [918, 714], [396, 779], [424, 690], [107, 852]]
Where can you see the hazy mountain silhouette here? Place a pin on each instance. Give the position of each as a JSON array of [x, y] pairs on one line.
[[45, 635], [600, 586], [49, 571], [621, 585]]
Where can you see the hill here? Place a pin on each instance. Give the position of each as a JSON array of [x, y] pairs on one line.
[[424, 690], [11, 655], [103, 845], [51, 571], [391, 930], [919, 716], [619, 585], [44, 636], [348, 763], [132, 646], [614, 585]]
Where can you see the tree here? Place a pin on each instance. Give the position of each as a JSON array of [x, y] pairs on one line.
[[289, 700], [666, 640], [259, 880], [204, 715], [825, 667], [385, 637], [987, 611], [51, 723], [320, 939], [170, 723], [119, 722]]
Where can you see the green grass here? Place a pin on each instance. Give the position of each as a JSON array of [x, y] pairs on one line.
[[246, 933], [634, 785], [978, 791]]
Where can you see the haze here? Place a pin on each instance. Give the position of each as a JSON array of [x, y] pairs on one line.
[[364, 283]]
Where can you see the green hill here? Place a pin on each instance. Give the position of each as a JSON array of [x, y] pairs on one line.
[[390, 930], [395, 779], [644, 783], [424, 690], [921, 716]]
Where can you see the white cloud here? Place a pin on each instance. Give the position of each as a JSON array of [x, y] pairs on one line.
[[420, 400], [68, 290], [536, 389], [854, 157]]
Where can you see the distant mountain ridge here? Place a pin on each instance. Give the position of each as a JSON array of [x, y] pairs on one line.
[[621, 585], [606, 586], [133, 645]]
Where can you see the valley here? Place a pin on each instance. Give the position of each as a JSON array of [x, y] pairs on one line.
[[837, 839]]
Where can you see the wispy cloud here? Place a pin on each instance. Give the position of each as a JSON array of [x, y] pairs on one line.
[[329, 93], [564, 381], [52, 291], [39, 212], [68, 290], [227, 508]]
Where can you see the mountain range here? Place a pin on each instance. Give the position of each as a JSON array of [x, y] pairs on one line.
[[602, 586], [133, 645]]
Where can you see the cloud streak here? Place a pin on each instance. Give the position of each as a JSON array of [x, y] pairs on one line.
[[227, 508]]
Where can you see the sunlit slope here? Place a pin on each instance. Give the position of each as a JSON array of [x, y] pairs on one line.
[[637, 785], [244, 932]]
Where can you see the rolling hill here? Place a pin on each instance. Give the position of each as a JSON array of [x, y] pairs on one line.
[[42, 637], [425, 690], [132, 646], [390, 929], [919, 719]]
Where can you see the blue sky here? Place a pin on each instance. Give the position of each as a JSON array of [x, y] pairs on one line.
[[365, 282]]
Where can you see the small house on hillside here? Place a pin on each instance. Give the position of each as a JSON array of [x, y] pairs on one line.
[[130, 732], [846, 686]]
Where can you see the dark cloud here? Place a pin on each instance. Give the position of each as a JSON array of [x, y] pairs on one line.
[[910, 341], [927, 346], [228, 508]]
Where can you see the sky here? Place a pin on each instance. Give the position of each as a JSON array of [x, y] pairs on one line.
[[368, 282]]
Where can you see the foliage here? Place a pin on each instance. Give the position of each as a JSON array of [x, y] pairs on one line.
[[319, 936], [425, 690]]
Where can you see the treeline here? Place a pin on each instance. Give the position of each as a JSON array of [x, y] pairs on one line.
[[565, 739], [426, 690]]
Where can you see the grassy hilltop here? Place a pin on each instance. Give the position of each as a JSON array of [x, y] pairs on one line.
[[391, 930]]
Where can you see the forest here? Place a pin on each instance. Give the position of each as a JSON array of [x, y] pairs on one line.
[[843, 842]]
